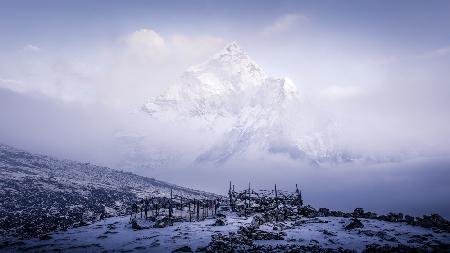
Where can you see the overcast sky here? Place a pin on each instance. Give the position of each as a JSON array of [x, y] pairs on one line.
[[72, 71]]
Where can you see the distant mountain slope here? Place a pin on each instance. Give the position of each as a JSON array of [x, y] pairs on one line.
[[41, 194]]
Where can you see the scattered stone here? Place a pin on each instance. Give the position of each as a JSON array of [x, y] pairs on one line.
[[324, 212], [135, 225], [358, 213], [391, 217], [433, 221], [409, 219], [219, 222], [355, 223], [163, 222], [326, 232], [255, 234], [258, 220]]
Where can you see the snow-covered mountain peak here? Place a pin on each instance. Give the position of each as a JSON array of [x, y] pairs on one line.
[[225, 84], [232, 96], [231, 69]]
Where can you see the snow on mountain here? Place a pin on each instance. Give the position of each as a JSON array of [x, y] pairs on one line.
[[233, 97], [41, 194]]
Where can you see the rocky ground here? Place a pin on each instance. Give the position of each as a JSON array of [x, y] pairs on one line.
[[240, 234]]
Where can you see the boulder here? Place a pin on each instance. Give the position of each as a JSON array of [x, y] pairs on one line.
[[433, 221], [324, 212], [135, 225], [219, 222], [358, 213], [409, 219], [355, 223], [163, 222], [257, 221]]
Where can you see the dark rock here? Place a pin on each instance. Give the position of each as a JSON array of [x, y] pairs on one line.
[[358, 213], [163, 222], [326, 232], [324, 212], [255, 234], [221, 215], [257, 221], [308, 211], [433, 221], [219, 222], [409, 219], [183, 249], [355, 223], [135, 225], [391, 217], [336, 213], [45, 237]]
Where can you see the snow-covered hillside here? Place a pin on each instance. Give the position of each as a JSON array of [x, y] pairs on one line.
[[41, 194], [232, 97], [324, 234]]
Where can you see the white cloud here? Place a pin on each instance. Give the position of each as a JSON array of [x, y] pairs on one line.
[[147, 43], [31, 48], [12, 84], [123, 75], [439, 52], [285, 23]]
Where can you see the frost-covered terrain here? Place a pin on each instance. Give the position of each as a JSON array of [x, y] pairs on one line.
[[40, 194], [304, 235], [231, 98]]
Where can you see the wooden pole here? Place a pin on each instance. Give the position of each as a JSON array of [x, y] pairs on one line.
[[198, 210], [249, 194], [276, 202], [190, 214]]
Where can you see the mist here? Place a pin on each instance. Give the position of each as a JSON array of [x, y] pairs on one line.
[[81, 99]]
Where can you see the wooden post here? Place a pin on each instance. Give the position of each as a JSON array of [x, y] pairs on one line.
[[153, 206], [231, 197], [276, 202], [249, 194], [198, 210], [234, 207], [190, 215]]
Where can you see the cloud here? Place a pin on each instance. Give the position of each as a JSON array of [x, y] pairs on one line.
[[121, 73], [284, 23], [14, 85], [147, 43], [31, 48], [439, 52]]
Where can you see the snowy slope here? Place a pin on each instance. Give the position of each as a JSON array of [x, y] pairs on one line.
[[325, 234], [231, 96], [40, 193]]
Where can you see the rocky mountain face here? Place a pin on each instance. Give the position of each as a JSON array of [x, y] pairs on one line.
[[40, 194], [233, 97]]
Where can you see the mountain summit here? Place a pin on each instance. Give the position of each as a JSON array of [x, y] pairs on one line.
[[234, 98], [225, 84]]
